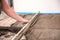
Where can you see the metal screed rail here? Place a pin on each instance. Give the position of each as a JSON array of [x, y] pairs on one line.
[[32, 21]]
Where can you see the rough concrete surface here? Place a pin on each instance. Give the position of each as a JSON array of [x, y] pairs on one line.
[[46, 28]]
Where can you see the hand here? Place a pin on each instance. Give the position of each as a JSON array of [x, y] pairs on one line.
[[24, 21]]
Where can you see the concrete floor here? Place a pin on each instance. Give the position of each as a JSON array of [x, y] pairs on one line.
[[47, 28]]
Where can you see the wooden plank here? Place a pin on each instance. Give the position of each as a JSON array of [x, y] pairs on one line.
[[7, 22]]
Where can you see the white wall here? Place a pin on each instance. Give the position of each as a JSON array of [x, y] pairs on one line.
[[36, 5]]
